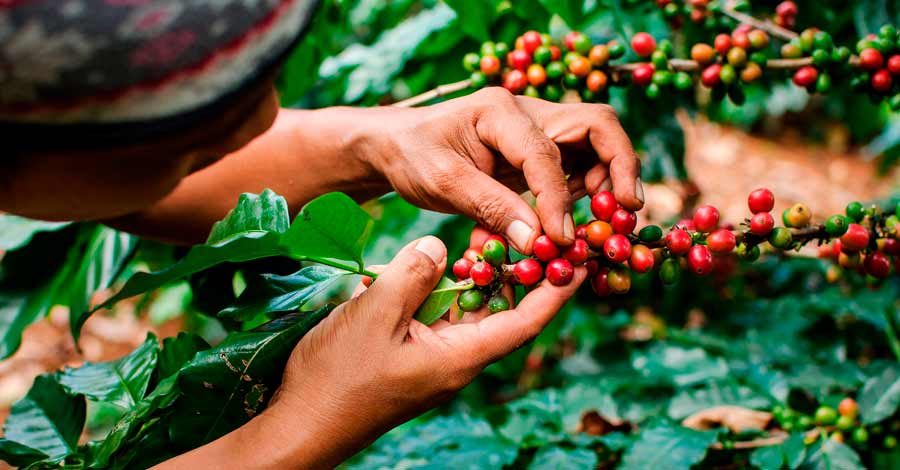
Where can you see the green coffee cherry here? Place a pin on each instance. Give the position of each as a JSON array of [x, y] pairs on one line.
[[470, 300], [855, 211], [478, 79], [571, 81], [498, 303], [804, 422], [890, 442], [844, 423], [663, 78], [836, 225], [650, 233], [670, 271], [860, 436], [666, 47], [471, 61], [501, 49], [653, 91], [728, 75], [840, 55], [822, 41], [488, 48], [750, 254], [781, 238], [494, 252], [616, 50], [532, 92], [555, 70], [826, 416], [823, 83], [821, 57], [543, 55], [552, 93], [659, 60]]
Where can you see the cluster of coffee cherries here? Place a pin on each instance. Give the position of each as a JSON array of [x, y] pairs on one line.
[[879, 66], [733, 58], [841, 425], [612, 249], [699, 11]]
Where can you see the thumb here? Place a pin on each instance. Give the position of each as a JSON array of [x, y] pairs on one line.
[[405, 283]]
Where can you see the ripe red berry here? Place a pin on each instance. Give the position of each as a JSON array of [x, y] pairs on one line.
[[490, 65], [848, 407], [762, 224], [603, 205], [518, 59], [806, 76], [531, 41], [856, 238], [721, 241], [592, 266], [882, 81], [560, 272], [890, 246], [544, 249], [623, 221], [711, 76], [786, 8], [761, 200], [686, 224], [679, 241], [877, 265], [641, 259], [577, 252], [527, 272], [461, 268], [642, 75], [599, 283], [643, 44], [571, 39], [617, 248], [706, 218], [722, 44], [893, 64], [555, 53], [740, 39], [871, 59], [515, 81], [581, 232], [481, 273], [700, 260], [596, 234]]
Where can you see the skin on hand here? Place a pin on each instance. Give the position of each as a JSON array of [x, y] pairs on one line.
[[370, 366]]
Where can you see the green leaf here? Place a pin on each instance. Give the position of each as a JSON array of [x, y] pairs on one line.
[[16, 232], [440, 300], [880, 396], [558, 458], [680, 366], [475, 17], [569, 10], [177, 351], [270, 293], [122, 382], [791, 453], [223, 387], [669, 446], [265, 212], [17, 454], [691, 400], [535, 420], [332, 226], [829, 454], [48, 419]]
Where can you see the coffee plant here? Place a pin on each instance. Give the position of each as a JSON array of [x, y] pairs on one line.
[[696, 344]]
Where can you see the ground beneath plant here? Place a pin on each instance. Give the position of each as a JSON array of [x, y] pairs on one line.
[[725, 164]]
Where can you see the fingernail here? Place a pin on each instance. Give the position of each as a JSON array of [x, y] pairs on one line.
[[432, 247], [519, 233], [606, 185], [638, 189], [568, 227]]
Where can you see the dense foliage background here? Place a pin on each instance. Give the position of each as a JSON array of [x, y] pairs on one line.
[[607, 384]]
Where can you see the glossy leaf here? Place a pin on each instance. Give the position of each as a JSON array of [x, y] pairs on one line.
[[880, 396], [264, 212], [789, 453], [273, 293], [16, 232], [332, 226], [17, 454], [558, 458], [177, 351], [48, 419], [828, 454], [475, 17], [669, 446], [122, 382], [439, 301], [569, 10]]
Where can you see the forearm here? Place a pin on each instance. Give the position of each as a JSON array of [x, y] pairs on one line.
[[303, 155]]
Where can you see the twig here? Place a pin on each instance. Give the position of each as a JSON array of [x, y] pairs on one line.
[[767, 26], [442, 90]]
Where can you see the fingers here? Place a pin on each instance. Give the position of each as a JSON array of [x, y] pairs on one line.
[[404, 284], [504, 332], [508, 130]]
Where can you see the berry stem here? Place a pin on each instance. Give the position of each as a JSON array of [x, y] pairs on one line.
[[767, 26], [433, 94]]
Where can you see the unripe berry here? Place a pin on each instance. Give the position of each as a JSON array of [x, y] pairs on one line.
[[882, 81], [758, 39], [650, 233], [536, 75], [706, 218], [470, 300], [560, 272], [877, 265], [471, 61], [856, 239], [703, 54], [596, 234], [737, 56], [518, 59], [544, 249], [490, 65], [861, 436], [848, 407], [721, 241], [751, 73], [762, 224], [855, 211], [836, 225], [806, 76], [642, 75], [643, 44], [798, 215], [596, 81], [781, 238], [604, 205], [700, 260], [761, 200], [531, 40], [750, 254], [722, 44], [623, 221], [825, 416], [580, 67], [461, 268], [641, 259], [617, 248], [710, 77], [791, 51], [679, 241], [600, 284], [494, 252], [670, 271], [871, 59], [498, 303], [619, 280], [599, 55], [481, 273], [527, 272], [577, 252]]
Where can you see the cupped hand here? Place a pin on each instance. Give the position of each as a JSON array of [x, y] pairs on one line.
[[474, 155], [370, 365]]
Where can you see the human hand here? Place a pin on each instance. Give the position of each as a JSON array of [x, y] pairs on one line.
[[472, 155], [370, 365]]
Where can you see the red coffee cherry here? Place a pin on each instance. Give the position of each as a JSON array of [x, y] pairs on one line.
[[490, 65], [786, 8], [710, 77], [482, 273], [686, 224], [762, 224], [679, 241], [806, 76], [722, 44], [890, 246], [877, 265], [849, 408], [856, 238], [882, 81], [560, 272], [592, 266], [603, 205], [721, 241], [700, 260], [761, 200], [641, 259], [706, 218], [596, 234], [461, 268], [527, 272], [642, 75], [740, 39], [518, 59], [515, 81], [531, 41], [871, 59], [893, 64], [643, 44], [617, 248], [599, 283], [544, 249], [576, 253], [581, 232], [623, 221]]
